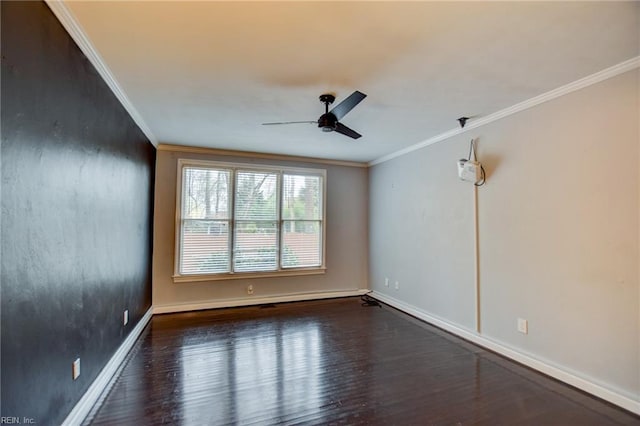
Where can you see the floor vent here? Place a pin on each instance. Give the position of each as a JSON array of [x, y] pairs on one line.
[[267, 306]]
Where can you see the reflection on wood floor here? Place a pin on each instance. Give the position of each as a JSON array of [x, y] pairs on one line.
[[330, 362]]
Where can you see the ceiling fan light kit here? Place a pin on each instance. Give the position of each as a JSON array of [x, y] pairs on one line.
[[330, 120]]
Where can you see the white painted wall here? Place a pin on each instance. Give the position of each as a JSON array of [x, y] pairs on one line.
[[558, 233], [421, 232], [346, 245]]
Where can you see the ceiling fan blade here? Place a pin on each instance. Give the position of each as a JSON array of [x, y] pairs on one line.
[[289, 122], [348, 104], [341, 128]]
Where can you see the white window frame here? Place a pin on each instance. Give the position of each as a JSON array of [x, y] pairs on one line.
[[280, 271]]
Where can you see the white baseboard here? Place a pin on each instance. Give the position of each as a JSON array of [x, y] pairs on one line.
[[516, 355], [86, 403], [249, 301]]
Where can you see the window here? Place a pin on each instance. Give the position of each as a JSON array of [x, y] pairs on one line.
[[244, 220]]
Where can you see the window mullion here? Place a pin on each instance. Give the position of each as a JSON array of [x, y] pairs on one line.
[[279, 219], [232, 218]]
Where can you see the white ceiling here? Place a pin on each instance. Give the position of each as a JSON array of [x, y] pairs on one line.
[[208, 74]]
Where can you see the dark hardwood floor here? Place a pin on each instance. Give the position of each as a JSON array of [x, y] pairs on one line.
[[330, 362]]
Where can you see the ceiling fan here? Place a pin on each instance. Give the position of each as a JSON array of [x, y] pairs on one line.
[[329, 121]]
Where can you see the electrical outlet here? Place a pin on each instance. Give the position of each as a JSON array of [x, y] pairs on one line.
[[397, 285], [75, 369], [125, 317], [386, 282], [250, 289], [523, 326]]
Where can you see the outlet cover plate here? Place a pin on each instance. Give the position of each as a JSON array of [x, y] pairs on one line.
[[523, 326], [75, 369]]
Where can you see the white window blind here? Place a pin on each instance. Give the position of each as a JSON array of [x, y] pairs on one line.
[[236, 220], [205, 221], [256, 228], [301, 220]]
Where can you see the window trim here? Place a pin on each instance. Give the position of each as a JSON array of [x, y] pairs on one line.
[[236, 166]]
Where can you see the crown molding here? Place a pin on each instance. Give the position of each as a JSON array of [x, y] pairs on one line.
[[69, 22], [248, 154], [592, 79]]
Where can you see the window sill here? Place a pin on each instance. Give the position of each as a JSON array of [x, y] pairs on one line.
[[248, 275]]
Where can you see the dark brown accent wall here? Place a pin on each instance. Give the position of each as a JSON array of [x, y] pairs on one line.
[[76, 223]]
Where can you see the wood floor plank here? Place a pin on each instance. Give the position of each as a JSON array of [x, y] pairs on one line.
[[330, 362]]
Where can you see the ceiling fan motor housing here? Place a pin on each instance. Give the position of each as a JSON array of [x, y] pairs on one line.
[[327, 122]]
